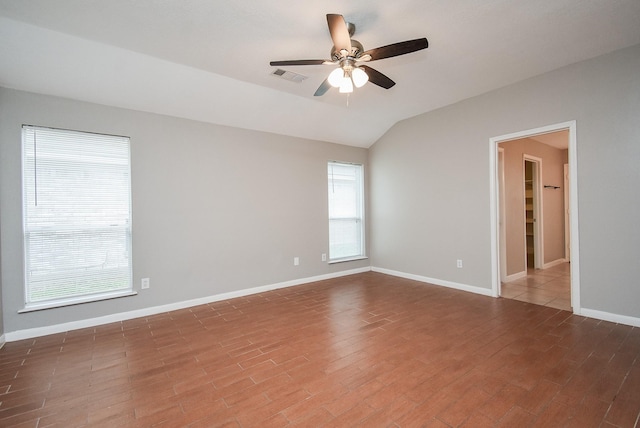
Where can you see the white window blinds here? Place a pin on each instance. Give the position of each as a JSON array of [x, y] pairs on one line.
[[77, 216], [346, 225]]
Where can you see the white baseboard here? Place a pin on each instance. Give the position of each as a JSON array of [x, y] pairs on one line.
[[2, 341], [92, 322], [591, 313], [122, 316], [434, 281], [608, 316], [554, 263], [515, 276]]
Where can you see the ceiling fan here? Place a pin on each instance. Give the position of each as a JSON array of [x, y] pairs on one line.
[[349, 55]]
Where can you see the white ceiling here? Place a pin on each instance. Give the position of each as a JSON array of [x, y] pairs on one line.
[[208, 60]]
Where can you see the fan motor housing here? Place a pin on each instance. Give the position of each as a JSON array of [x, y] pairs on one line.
[[356, 50]]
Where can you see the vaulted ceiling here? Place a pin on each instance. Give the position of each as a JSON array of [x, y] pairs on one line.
[[208, 60]]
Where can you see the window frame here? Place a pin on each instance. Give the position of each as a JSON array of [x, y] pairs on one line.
[[84, 227], [360, 209]]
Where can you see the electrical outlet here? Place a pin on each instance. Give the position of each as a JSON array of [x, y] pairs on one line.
[[144, 283], [324, 257], [459, 263], [296, 261]]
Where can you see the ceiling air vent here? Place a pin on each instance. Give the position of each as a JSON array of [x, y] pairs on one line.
[[289, 75]]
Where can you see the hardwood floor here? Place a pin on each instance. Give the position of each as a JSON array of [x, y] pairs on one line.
[[364, 350], [547, 287]]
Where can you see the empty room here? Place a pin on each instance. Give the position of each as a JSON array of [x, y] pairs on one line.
[[254, 214]]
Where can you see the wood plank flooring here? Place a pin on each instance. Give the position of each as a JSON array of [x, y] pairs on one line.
[[363, 350]]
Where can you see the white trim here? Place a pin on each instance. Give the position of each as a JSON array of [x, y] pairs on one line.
[[347, 259], [567, 216], [2, 341], [573, 205], [515, 276], [502, 214], [607, 316], [494, 209], [32, 307], [554, 263], [434, 281], [574, 243], [122, 316]]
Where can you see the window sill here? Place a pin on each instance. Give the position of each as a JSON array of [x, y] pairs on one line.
[[348, 259], [75, 301]]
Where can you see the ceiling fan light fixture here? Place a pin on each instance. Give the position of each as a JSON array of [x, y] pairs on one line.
[[359, 77], [346, 86], [335, 77], [349, 53]]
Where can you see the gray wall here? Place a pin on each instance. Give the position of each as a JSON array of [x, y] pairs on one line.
[[215, 209], [218, 209], [430, 179]]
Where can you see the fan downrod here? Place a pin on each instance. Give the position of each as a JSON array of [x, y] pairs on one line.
[[351, 28]]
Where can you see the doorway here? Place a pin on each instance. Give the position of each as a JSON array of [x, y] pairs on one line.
[[535, 221], [533, 236], [531, 268]]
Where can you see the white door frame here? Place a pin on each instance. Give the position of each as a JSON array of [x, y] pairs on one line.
[[567, 218], [538, 221], [573, 205], [502, 216]]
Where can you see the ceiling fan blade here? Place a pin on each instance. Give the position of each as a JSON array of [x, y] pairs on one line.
[[378, 78], [324, 87], [339, 32], [396, 49], [298, 62]]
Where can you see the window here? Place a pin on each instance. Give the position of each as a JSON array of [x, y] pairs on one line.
[[346, 225], [77, 216]]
